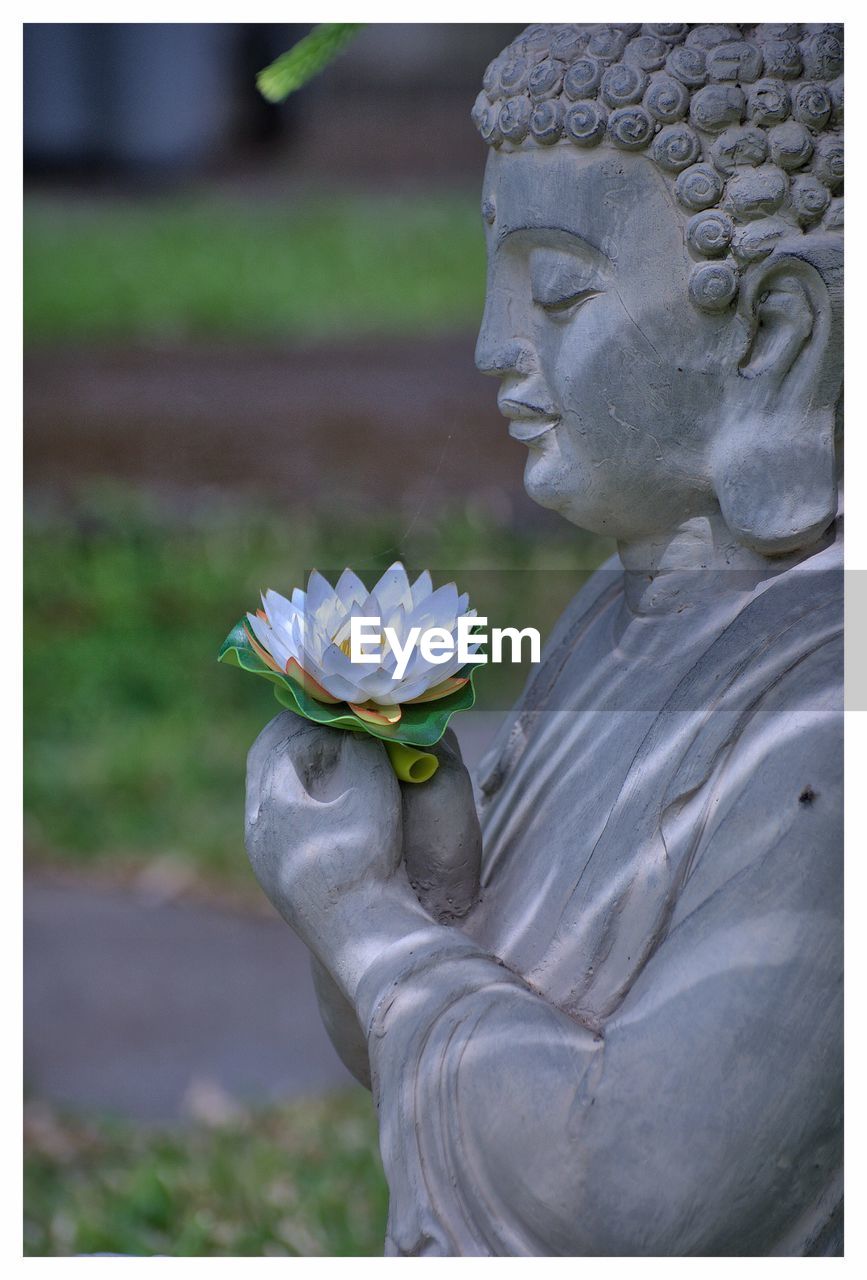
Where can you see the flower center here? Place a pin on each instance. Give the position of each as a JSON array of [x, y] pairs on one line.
[[345, 646]]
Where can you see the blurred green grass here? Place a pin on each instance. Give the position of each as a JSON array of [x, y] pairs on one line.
[[135, 737], [299, 1179], [176, 269]]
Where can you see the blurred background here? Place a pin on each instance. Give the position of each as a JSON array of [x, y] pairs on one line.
[[249, 344]]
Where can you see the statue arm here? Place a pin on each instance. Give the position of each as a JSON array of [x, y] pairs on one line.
[[341, 1023], [507, 1128], [702, 1118]]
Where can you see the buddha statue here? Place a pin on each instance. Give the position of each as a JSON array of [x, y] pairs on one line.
[[600, 1005]]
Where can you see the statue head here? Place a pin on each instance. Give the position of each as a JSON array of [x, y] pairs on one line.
[[664, 307]]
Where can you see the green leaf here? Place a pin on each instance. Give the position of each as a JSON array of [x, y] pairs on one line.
[[420, 726], [292, 70]]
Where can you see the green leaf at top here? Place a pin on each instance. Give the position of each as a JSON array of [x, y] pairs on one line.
[[293, 69], [421, 725]]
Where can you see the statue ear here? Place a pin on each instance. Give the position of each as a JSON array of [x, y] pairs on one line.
[[773, 461]]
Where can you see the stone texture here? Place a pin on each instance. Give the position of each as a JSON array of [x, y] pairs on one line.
[[631, 1042]]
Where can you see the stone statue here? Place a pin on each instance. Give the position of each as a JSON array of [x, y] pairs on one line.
[[609, 1022]]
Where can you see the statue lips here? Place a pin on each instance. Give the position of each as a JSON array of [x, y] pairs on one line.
[[527, 423]]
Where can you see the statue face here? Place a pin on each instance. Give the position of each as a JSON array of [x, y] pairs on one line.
[[610, 377]]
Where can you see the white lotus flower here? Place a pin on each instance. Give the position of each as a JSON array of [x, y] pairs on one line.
[[308, 638]]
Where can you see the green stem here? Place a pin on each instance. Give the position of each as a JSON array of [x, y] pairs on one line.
[[305, 60], [409, 764]]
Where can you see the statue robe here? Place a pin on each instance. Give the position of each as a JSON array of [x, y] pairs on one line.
[[633, 1045]]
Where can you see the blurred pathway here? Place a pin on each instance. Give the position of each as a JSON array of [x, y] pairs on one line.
[[160, 1009], [359, 422]]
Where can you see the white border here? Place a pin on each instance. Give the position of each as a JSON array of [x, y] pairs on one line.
[[856, 754]]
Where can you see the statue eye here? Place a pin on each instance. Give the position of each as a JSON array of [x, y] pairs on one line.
[[568, 303]]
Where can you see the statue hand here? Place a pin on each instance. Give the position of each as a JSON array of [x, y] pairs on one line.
[[323, 823], [442, 849], [442, 841], [325, 839]]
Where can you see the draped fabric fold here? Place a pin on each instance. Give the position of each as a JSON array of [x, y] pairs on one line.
[[666, 1044]]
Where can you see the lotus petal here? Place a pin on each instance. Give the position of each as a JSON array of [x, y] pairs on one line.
[[393, 589], [439, 690], [297, 673], [421, 588], [377, 715], [262, 653], [266, 638], [379, 686], [280, 611], [350, 589]]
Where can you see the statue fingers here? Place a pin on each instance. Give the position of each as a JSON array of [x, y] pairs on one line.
[[442, 839]]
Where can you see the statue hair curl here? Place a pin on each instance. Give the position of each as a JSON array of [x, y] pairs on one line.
[[746, 122]]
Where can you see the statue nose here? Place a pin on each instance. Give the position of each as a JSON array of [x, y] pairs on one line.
[[497, 358]]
